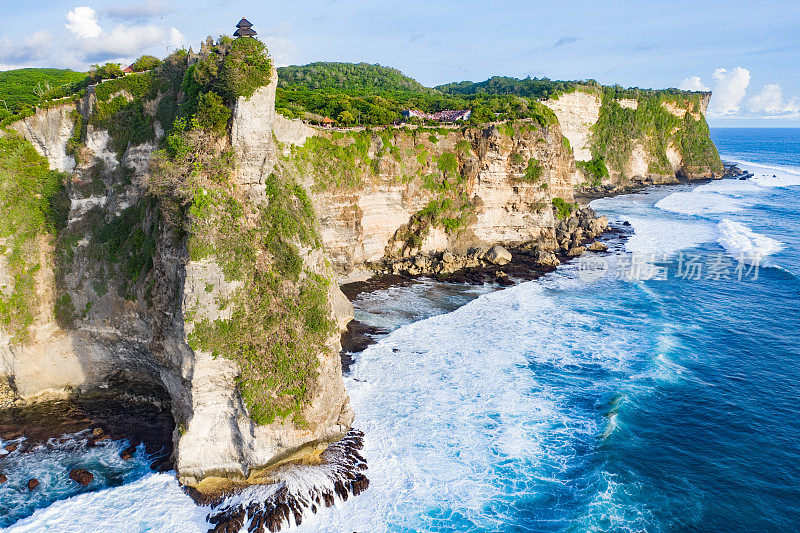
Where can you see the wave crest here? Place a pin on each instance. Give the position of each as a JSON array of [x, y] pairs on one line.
[[744, 244]]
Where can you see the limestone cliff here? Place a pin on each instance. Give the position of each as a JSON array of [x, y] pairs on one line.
[[627, 138], [398, 194], [202, 264], [117, 295]]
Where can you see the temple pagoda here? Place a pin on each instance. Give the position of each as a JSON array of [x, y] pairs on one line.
[[244, 29]]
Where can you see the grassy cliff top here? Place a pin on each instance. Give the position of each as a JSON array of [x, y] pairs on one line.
[[24, 86]]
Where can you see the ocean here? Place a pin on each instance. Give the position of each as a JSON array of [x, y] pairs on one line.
[[650, 389]]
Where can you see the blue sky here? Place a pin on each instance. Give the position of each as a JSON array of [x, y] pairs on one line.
[[748, 53]]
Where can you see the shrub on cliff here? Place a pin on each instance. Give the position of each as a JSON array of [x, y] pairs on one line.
[[32, 203], [145, 63], [563, 208], [212, 114], [234, 68], [533, 171], [106, 72], [595, 170]]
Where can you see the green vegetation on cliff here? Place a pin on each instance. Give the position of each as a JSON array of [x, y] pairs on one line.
[[376, 95], [34, 209], [25, 87], [234, 68], [563, 208], [341, 161], [528, 88], [654, 128], [361, 78], [595, 169], [695, 145], [279, 317]]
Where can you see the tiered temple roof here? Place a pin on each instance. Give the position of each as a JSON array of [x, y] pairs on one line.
[[244, 29]]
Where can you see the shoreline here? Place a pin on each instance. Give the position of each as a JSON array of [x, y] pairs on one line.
[[522, 267], [128, 419], [731, 171]]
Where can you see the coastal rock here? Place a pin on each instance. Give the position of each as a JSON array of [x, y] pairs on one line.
[[217, 438], [127, 453], [10, 448], [498, 255], [80, 476], [95, 439], [32, 484], [547, 259], [342, 467], [597, 246], [576, 251], [3, 478]]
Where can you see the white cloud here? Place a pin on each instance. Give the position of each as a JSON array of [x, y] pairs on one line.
[[34, 47], [280, 46], [770, 101], [177, 39], [729, 91], [693, 83], [128, 41], [93, 44], [82, 22]]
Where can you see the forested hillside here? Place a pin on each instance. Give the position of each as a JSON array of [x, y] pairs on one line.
[[24, 86], [372, 94], [527, 88]]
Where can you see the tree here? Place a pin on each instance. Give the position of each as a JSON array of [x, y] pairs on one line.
[[346, 117], [234, 68], [107, 71], [145, 63], [212, 114]]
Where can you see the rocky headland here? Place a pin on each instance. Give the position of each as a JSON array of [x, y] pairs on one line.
[[202, 262]]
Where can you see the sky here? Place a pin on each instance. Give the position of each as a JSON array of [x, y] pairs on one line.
[[746, 52]]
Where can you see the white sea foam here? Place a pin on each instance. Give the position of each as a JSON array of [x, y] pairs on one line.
[[699, 203], [731, 187], [744, 244], [662, 235], [771, 175], [458, 426], [152, 503]]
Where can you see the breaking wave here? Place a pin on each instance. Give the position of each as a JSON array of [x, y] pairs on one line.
[[744, 244]]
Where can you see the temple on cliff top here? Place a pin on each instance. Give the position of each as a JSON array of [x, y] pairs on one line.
[[244, 29], [448, 115]]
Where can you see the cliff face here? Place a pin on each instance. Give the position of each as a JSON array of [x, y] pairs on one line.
[[577, 113], [228, 305], [128, 295], [418, 192], [621, 140], [48, 131], [220, 435]]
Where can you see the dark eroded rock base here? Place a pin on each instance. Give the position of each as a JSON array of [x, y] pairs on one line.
[[290, 498]]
